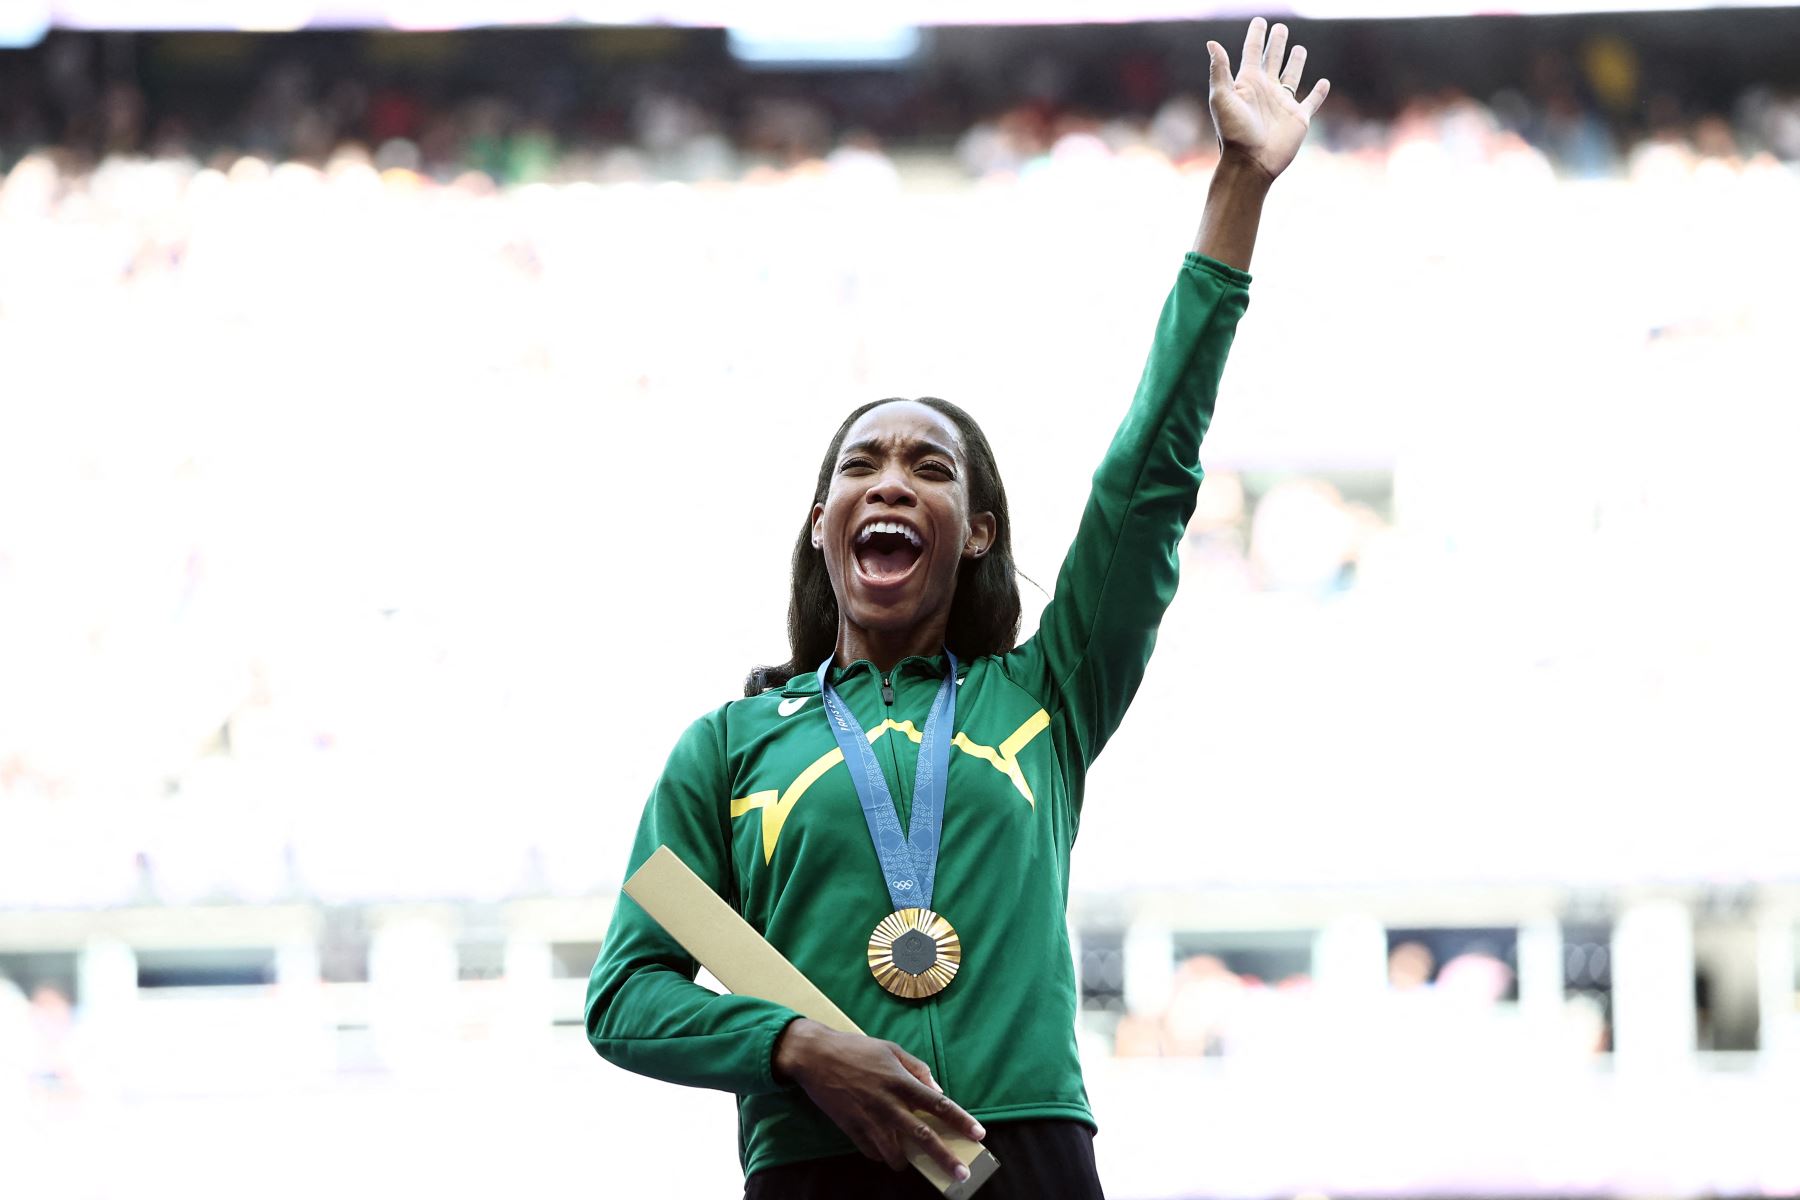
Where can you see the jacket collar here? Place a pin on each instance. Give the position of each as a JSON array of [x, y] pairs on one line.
[[807, 683]]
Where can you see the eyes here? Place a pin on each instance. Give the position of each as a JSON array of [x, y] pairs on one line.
[[931, 468]]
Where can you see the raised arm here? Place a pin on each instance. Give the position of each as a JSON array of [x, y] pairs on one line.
[[1095, 638], [1260, 122]]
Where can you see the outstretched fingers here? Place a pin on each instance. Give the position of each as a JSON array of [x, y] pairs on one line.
[[1266, 51], [1316, 97], [1277, 47], [1296, 63], [1290, 79], [1253, 44], [1219, 64]]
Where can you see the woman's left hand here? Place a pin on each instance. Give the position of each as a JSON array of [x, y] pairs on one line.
[[1258, 115]]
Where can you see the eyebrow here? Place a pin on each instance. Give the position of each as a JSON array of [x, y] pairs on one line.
[[921, 446]]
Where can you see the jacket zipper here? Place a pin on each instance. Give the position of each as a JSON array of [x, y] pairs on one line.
[[887, 691]]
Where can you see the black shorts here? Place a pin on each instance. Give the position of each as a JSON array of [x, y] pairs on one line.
[[1039, 1160]]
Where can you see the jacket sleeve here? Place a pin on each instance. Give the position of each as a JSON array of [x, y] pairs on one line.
[[644, 1011], [1094, 640]]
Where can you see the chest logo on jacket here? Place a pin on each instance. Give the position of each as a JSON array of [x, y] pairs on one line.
[[777, 804]]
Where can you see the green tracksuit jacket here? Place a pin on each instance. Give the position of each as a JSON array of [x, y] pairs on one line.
[[756, 799]]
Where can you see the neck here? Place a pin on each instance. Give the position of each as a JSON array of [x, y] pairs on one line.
[[885, 648]]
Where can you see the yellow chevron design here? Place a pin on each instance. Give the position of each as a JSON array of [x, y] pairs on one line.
[[776, 806], [1004, 760]]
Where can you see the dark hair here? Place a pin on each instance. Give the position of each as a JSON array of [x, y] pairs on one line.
[[984, 614]]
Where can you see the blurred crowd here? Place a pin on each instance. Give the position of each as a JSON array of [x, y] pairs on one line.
[[1429, 1010], [1590, 110]]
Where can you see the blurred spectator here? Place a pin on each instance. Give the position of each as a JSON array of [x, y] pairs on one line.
[[859, 159], [1771, 119], [1475, 978], [1410, 967], [1207, 1000], [51, 1051], [1304, 538], [1213, 1012]]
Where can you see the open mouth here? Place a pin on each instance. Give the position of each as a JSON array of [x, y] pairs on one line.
[[886, 551]]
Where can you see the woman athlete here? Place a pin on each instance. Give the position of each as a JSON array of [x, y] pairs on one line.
[[894, 807]]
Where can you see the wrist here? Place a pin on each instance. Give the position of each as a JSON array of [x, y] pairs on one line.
[[1234, 204], [793, 1048], [1240, 173]]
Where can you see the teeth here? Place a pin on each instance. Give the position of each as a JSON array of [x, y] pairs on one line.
[[875, 527]]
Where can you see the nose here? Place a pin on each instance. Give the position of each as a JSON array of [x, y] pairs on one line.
[[891, 487]]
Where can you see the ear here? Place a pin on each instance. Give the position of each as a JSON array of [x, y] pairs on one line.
[[818, 527], [981, 535]]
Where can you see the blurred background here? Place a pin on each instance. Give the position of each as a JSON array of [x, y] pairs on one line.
[[404, 424]]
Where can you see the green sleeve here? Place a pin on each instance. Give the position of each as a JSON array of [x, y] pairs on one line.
[[644, 1011], [1094, 640]]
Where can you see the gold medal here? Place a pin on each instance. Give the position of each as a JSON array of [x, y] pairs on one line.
[[914, 953]]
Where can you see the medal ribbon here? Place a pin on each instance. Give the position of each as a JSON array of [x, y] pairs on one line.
[[908, 860]]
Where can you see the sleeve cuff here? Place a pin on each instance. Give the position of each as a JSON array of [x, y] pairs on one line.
[[769, 1082], [1213, 266]]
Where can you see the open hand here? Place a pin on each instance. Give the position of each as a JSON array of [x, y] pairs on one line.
[[1259, 115], [874, 1091]]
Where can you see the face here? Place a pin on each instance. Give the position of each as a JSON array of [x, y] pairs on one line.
[[895, 524]]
